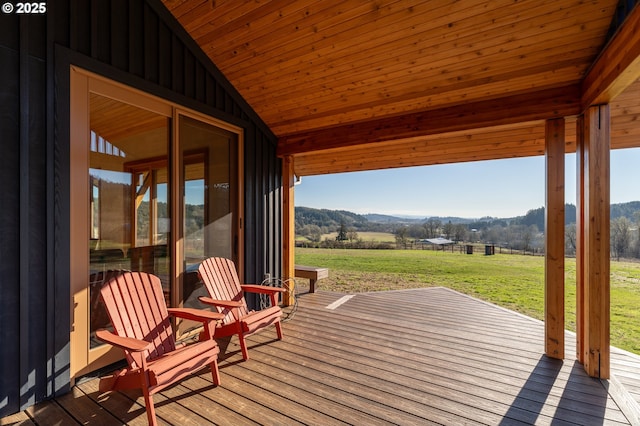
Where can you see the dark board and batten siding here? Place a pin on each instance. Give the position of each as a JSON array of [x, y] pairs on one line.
[[140, 44], [24, 222]]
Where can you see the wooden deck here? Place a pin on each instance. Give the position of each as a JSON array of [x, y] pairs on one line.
[[427, 356]]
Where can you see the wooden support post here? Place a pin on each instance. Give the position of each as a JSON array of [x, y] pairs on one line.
[[289, 229], [596, 292], [580, 225], [554, 239]]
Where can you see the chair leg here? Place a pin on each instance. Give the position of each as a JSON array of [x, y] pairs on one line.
[[243, 343], [148, 399], [151, 411], [215, 373], [243, 346], [279, 330]]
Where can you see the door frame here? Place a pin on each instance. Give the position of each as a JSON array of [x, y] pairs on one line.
[[177, 212], [83, 359]]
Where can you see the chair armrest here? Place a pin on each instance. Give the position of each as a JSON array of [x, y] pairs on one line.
[[126, 343], [195, 314], [223, 303], [265, 289]]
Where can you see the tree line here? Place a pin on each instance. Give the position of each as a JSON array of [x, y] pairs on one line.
[[513, 235], [522, 233]]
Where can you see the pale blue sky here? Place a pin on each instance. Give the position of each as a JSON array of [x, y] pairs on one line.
[[498, 188]]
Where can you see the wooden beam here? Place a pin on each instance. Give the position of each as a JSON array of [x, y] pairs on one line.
[[508, 141], [419, 153], [580, 234], [288, 229], [554, 240], [596, 297], [541, 105], [617, 67]]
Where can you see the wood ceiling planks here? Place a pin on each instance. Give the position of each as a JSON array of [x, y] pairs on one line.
[[114, 120], [452, 59], [333, 72], [625, 118], [500, 142]]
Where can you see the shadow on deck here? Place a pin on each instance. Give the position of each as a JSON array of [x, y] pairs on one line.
[[425, 356]]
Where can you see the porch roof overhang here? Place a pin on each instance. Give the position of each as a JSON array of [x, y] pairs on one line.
[[349, 86]]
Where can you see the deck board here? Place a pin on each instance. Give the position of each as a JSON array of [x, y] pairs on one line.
[[425, 356]]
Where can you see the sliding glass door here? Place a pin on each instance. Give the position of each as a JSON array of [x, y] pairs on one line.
[[152, 189]]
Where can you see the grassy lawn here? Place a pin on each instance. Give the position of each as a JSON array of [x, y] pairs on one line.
[[513, 281]]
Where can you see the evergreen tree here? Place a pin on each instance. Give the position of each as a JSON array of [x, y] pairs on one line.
[[342, 232]]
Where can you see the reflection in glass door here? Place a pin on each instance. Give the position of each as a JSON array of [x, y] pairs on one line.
[[208, 176], [128, 198]]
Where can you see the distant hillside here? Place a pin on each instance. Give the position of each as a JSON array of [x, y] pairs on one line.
[[383, 218], [536, 217], [332, 219], [628, 210]]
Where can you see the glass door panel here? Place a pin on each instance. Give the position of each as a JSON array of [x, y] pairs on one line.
[[208, 174], [128, 198]]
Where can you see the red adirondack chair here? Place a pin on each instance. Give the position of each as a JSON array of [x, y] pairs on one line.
[[227, 295], [136, 306]]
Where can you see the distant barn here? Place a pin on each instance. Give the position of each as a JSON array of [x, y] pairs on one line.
[[439, 242]]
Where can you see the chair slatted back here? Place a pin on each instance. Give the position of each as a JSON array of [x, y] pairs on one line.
[[99, 315], [136, 306], [221, 279]]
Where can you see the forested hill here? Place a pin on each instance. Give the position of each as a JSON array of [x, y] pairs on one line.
[[333, 219], [330, 218], [630, 210]]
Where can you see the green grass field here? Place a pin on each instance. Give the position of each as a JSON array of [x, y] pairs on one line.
[[513, 281]]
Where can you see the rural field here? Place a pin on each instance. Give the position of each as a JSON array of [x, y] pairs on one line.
[[512, 281], [377, 237]]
